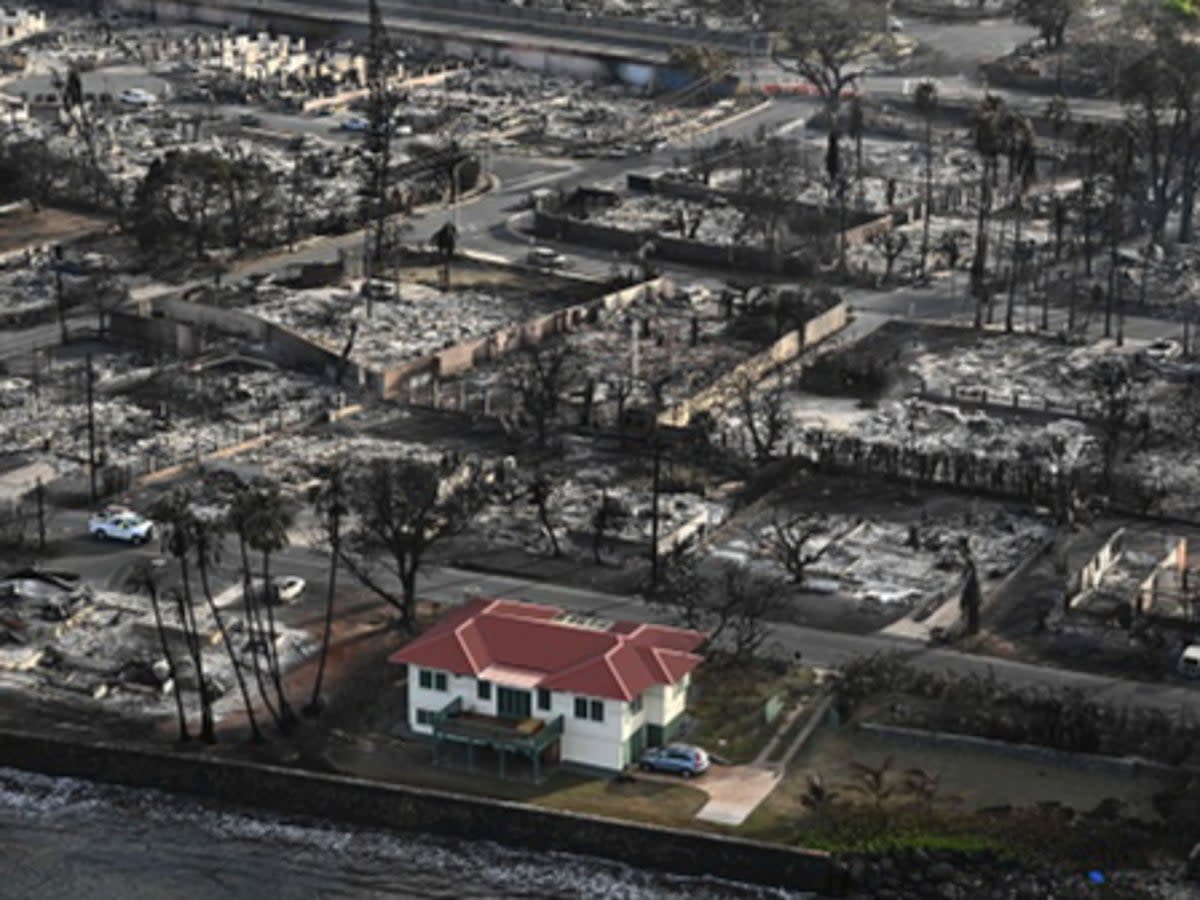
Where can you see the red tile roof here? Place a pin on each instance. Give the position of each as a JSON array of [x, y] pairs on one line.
[[618, 662]]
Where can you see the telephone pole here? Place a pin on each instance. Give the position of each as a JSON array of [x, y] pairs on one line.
[[654, 489], [40, 494], [91, 423], [58, 292]]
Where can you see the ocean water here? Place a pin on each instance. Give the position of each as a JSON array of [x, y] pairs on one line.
[[66, 838]]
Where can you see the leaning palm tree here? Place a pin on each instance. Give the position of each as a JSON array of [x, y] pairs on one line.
[[329, 504], [208, 537], [268, 534], [146, 576], [926, 98], [243, 509], [174, 514]]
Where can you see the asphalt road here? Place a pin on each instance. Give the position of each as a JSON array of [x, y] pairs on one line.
[[102, 563]]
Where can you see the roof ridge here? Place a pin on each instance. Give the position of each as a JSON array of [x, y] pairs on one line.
[[616, 673], [586, 661], [462, 645]]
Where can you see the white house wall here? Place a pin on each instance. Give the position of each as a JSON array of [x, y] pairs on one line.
[[588, 743], [674, 700], [633, 721], [461, 686], [664, 702], [591, 743]]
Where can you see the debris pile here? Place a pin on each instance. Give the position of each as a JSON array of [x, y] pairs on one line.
[[413, 320], [875, 561]]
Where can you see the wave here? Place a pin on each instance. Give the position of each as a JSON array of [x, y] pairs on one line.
[[331, 859]]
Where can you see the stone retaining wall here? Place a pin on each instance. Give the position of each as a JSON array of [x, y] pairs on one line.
[[380, 805], [1130, 766], [757, 367]]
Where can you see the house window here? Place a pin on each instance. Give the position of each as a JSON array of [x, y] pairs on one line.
[[597, 710], [431, 680], [581, 708], [425, 716], [635, 706], [543, 698], [484, 690]]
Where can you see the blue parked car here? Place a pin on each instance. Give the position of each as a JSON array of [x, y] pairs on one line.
[[675, 758]]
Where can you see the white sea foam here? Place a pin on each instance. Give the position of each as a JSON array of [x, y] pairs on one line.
[[370, 862]]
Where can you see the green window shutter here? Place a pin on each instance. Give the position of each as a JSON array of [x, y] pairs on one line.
[[425, 679], [597, 710], [581, 708], [439, 681], [484, 690]]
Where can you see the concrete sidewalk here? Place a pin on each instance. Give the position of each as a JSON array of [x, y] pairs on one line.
[[734, 792]]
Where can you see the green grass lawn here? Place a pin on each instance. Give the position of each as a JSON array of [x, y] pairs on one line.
[[650, 802], [979, 801], [729, 712]]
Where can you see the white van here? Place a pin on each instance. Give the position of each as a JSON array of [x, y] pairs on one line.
[[1189, 662]]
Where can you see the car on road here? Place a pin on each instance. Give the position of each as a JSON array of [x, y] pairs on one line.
[[137, 97], [118, 523], [1163, 350], [378, 289], [545, 258], [284, 589], [1189, 662], [250, 120], [354, 123], [680, 759]]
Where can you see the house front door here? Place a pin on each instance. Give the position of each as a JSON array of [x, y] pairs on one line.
[[513, 704]]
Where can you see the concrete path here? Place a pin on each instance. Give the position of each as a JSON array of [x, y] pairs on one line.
[[734, 792]]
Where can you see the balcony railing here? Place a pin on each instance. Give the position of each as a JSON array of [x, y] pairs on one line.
[[525, 735]]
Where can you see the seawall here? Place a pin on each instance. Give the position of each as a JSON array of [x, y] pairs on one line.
[[372, 804]]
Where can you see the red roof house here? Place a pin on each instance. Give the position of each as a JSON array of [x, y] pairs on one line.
[[617, 686]]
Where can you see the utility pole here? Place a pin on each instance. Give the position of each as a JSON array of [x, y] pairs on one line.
[[37, 381], [58, 292], [654, 489], [377, 147], [40, 494], [91, 422]]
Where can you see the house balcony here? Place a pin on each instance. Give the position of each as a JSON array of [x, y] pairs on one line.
[[527, 737]]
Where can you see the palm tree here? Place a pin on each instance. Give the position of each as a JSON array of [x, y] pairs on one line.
[[1121, 152], [242, 512], [269, 534], [988, 140], [147, 576], [1058, 111], [1019, 137], [970, 599], [857, 124], [208, 537], [926, 99], [174, 513], [329, 504]]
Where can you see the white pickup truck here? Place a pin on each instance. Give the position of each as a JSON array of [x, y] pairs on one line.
[[120, 524]]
